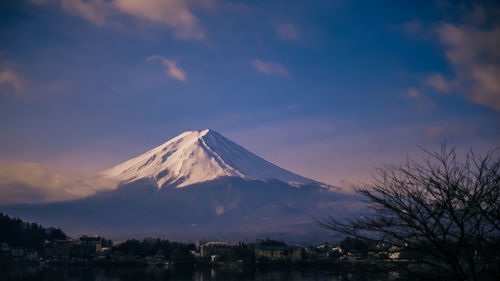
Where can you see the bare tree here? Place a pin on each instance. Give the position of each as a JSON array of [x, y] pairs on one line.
[[444, 213]]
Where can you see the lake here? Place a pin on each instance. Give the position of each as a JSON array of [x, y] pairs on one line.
[[96, 273]]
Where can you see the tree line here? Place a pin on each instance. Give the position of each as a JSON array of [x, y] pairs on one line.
[[17, 233]]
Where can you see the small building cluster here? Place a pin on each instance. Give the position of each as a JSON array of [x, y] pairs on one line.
[[84, 247], [153, 251], [7, 252], [328, 251], [221, 250]]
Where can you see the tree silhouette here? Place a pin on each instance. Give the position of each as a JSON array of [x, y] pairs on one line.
[[17, 233], [442, 213]]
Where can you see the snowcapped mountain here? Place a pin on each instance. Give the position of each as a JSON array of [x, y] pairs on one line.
[[198, 184], [200, 156]]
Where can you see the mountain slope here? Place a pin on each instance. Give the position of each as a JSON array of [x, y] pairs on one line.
[[226, 208], [200, 156]]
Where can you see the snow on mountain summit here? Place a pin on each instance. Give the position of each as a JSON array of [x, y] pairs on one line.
[[200, 156]]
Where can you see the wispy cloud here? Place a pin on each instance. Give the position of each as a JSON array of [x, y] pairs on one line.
[[175, 14], [172, 69], [433, 130], [410, 28], [422, 102], [269, 68], [412, 93], [287, 31], [438, 82], [473, 50], [9, 77], [452, 129], [28, 182]]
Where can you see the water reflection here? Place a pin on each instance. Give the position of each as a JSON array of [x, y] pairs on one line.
[[93, 273]]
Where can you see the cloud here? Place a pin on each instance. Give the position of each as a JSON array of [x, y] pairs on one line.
[[9, 77], [452, 130], [175, 14], [287, 31], [412, 93], [437, 82], [473, 50], [412, 27], [433, 130], [348, 187], [171, 66], [30, 183], [38, 183], [94, 11], [486, 89], [422, 101], [269, 68]]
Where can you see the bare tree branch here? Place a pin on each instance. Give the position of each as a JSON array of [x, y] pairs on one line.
[[443, 212]]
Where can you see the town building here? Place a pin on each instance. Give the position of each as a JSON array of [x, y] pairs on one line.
[[60, 248], [88, 246], [276, 253], [215, 249]]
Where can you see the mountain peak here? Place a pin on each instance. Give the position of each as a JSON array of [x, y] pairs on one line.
[[199, 156], [195, 134]]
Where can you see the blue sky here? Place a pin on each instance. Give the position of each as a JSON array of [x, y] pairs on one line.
[[327, 89]]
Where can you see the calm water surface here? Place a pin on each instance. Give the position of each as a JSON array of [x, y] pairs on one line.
[[91, 273]]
